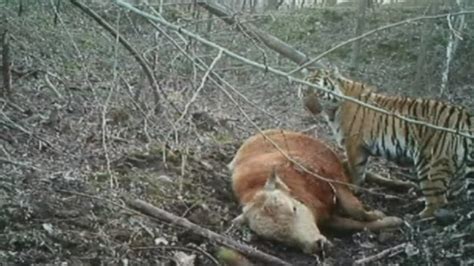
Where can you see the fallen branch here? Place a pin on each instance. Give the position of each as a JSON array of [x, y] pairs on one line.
[[381, 254], [270, 41], [153, 211], [284, 74], [376, 178], [6, 121]]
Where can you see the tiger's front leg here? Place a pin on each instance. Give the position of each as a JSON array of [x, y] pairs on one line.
[[357, 159]]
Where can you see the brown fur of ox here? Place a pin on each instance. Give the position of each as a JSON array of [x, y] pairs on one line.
[[283, 202]]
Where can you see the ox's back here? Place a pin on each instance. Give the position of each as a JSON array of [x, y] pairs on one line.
[[254, 161]]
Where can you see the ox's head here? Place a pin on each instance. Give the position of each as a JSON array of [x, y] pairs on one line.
[[275, 214]]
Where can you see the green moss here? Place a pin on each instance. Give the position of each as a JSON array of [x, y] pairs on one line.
[[223, 138]]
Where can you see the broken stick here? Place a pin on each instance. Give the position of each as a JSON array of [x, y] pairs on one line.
[[381, 254], [153, 211], [378, 179]]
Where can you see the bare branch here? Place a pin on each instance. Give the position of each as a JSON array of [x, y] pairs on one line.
[[284, 74]]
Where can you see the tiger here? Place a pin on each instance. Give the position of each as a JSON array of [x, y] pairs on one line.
[[443, 161]]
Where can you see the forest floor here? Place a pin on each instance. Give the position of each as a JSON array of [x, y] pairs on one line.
[[75, 141]]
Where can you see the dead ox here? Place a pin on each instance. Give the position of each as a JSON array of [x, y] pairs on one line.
[[283, 202]]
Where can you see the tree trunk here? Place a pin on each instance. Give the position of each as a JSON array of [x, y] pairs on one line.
[[457, 28], [359, 29]]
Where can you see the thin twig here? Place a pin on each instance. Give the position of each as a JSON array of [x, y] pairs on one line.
[[21, 164], [284, 74], [455, 32], [201, 86], [51, 86]]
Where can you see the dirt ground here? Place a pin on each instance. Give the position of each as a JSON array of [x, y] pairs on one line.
[[79, 136]]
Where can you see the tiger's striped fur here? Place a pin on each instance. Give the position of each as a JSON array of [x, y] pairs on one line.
[[441, 159]]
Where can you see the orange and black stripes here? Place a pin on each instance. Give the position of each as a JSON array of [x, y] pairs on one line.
[[441, 159]]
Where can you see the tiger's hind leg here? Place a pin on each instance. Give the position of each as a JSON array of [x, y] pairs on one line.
[[433, 175]]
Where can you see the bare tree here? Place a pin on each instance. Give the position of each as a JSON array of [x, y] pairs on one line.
[[454, 37]]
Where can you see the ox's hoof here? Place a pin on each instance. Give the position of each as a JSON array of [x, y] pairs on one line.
[[375, 215], [392, 221], [319, 245]]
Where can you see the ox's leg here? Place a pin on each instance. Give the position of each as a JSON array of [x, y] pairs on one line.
[[352, 206], [348, 224]]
